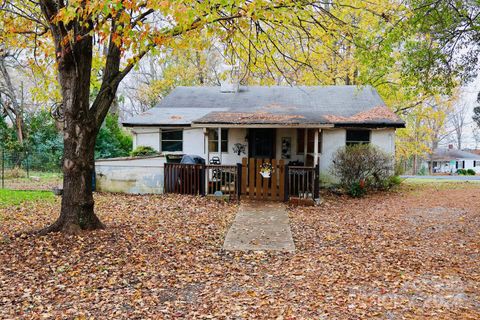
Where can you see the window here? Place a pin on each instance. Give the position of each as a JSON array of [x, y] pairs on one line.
[[476, 163], [357, 137], [172, 140], [310, 140], [213, 140]]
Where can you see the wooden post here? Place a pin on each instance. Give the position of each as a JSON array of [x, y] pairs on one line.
[[285, 185], [258, 184], [203, 180], [316, 187], [165, 178], [315, 148], [265, 183], [275, 171], [239, 182], [244, 176], [251, 178]]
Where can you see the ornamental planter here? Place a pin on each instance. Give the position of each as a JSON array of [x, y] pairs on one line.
[[266, 175]]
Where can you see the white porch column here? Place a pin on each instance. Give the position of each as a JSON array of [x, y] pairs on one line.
[[160, 140], [315, 147], [219, 130], [305, 146], [205, 145]]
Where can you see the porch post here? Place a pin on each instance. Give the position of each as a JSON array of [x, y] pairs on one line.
[[219, 130], [305, 145], [206, 147], [315, 148]]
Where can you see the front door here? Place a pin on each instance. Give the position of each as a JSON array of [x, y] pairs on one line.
[[261, 143]]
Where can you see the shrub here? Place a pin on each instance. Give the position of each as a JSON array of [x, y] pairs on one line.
[[143, 151], [112, 140], [471, 172], [357, 189], [462, 172], [363, 167], [392, 182]]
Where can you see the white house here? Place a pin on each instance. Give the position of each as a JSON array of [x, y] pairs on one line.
[[450, 160], [299, 125]]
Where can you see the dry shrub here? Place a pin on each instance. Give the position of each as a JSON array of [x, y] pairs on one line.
[[363, 167]]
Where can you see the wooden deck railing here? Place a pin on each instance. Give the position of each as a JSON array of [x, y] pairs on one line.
[[286, 182], [302, 182], [224, 179], [184, 178], [199, 179]]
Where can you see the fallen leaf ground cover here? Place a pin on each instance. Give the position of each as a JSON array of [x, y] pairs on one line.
[[409, 254]]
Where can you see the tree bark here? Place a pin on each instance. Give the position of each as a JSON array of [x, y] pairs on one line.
[[79, 135]]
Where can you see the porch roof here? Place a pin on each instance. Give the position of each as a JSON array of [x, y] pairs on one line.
[[323, 106]]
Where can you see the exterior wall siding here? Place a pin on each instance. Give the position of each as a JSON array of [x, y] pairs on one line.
[[147, 136], [332, 141], [384, 139], [146, 175]]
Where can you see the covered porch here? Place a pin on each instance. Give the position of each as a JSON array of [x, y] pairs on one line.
[[295, 146], [235, 156]]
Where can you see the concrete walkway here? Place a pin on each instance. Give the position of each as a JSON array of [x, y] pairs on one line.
[[260, 226]]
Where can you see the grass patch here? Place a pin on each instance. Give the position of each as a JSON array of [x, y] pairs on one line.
[[16, 197], [437, 181]]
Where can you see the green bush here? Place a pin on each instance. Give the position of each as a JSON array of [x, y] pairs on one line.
[[363, 167], [357, 190], [462, 172], [143, 151], [471, 172], [392, 182], [112, 140]]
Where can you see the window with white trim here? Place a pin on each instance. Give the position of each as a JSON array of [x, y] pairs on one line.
[[213, 140], [172, 140]]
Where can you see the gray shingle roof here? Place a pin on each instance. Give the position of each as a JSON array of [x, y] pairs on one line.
[[338, 105], [453, 154]]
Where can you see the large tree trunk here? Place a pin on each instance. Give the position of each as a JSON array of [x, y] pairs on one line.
[[79, 135]]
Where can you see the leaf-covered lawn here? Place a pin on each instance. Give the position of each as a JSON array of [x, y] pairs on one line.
[[410, 254]]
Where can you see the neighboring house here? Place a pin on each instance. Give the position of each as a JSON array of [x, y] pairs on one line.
[[299, 125], [449, 160]]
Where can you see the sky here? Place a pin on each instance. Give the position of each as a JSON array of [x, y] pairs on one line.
[[468, 96]]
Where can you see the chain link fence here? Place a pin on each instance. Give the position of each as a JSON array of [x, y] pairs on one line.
[[30, 171]]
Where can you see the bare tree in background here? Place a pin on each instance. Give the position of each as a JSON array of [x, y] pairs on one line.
[[11, 104], [476, 135], [156, 76], [457, 121]]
